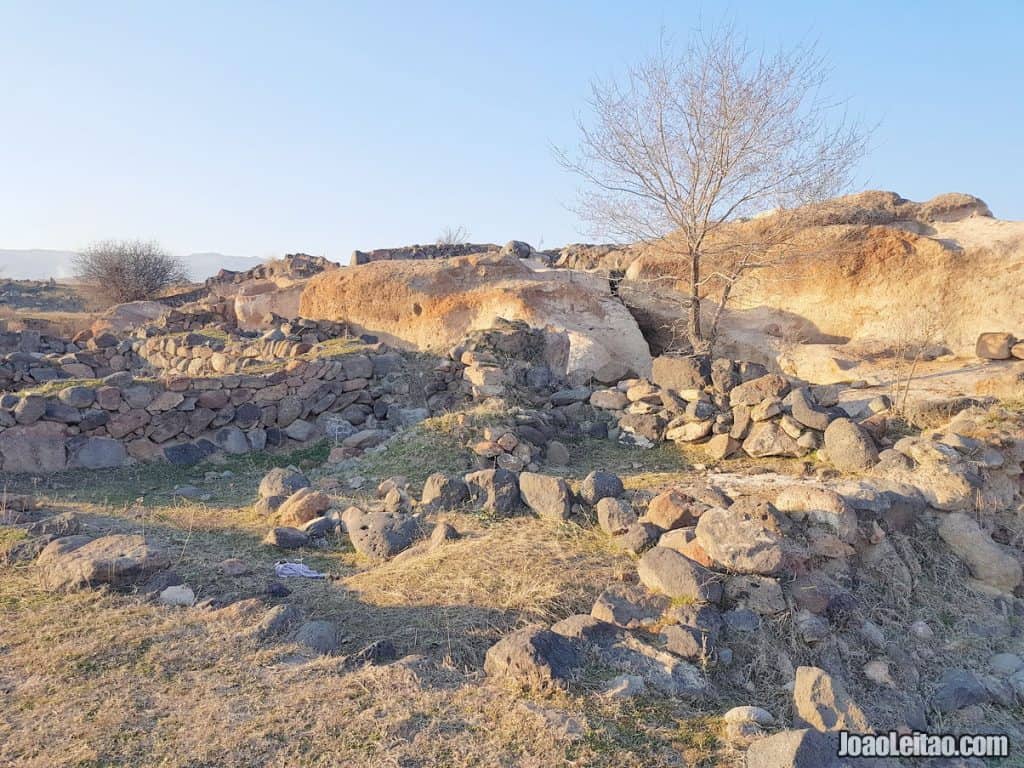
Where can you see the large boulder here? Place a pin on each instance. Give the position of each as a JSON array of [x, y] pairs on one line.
[[286, 537], [35, 447], [533, 657], [98, 453], [672, 574], [119, 560], [959, 688], [302, 506], [767, 438], [444, 492], [320, 636], [433, 304], [673, 509], [994, 346], [802, 748], [989, 562], [381, 535], [629, 606], [494, 490], [600, 485], [806, 411], [849, 446], [626, 653], [615, 516], [282, 481], [548, 496], [756, 390], [820, 505], [742, 538], [820, 701], [679, 372]]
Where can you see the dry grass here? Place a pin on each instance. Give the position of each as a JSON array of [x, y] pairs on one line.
[[96, 678], [53, 323], [497, 576]]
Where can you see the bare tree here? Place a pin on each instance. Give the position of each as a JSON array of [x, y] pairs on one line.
[[688, 143], [128, 270], [453, 236]]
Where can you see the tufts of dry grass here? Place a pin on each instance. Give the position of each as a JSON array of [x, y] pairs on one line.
[[471, 591], [95, 678]]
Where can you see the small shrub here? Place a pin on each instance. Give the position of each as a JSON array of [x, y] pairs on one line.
[[128, 270]]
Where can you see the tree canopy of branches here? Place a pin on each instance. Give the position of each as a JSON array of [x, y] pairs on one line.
[[453, 236], [689, 142], [128, 270]]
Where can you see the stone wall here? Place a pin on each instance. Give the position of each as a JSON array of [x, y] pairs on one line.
[[184, 419], [433, 251], [198, 353], [33, 358]]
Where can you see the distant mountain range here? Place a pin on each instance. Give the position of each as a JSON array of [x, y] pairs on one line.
[[40, 264]]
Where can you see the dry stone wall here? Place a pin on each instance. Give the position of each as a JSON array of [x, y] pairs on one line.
[[184, 419], [432, 251], [198, 353], [29, 358]]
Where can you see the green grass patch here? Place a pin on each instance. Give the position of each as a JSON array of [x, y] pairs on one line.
[[215, 335], [438, 444], [330, 349], [416, 454], [55, 387], [9, 536], [337, 347], [123, 485], [50, 388]]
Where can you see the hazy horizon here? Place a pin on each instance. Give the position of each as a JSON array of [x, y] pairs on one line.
[[46, 263]]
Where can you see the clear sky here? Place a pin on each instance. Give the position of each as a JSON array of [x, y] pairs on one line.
[[255, 128]]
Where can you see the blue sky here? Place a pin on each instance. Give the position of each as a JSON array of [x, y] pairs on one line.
[[256, 129]]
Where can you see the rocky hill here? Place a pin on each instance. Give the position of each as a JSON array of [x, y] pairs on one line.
[[871, 266], [432, 304], [446, 509]]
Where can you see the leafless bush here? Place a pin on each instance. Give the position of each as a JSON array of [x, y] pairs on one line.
[[915, 334], [453, 236], [128, 270], [690, 142]]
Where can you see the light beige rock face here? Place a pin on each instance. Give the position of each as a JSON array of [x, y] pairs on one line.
[[994, 346], [866, 266], [431, 305], [124, 318], [302, 506], [821, 702], [259, 299], [118, 560], [988, 561]]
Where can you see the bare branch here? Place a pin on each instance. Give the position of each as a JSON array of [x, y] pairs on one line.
[[687, 143], [128, 270]]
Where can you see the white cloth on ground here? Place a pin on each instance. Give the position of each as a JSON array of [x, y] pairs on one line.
[[284, 569]]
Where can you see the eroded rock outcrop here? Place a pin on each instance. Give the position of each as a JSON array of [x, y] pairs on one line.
[[432, 305]]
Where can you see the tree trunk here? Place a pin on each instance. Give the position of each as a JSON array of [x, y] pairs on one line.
[[713, 334], [696, 339]]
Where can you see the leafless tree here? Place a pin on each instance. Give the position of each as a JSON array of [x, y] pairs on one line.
[[689, 142], [128, 270], [453, 236]]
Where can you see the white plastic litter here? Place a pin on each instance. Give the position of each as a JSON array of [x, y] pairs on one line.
[[285, 569], [178, 595]]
